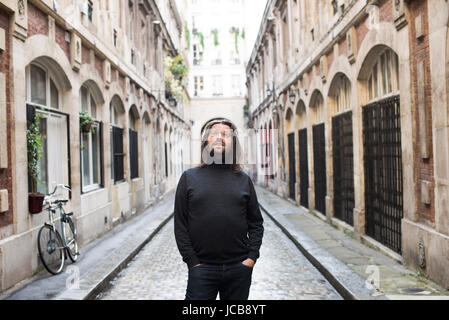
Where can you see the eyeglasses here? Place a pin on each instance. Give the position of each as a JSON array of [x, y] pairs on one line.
[[224, 133]]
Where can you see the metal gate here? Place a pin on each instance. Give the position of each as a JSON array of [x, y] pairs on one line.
[[383, 171], [319, 166], [343, 161], [303, 168], [291, 164]]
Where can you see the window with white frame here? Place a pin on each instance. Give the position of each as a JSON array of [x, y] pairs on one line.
[[42, 94], [234, 56], [131, 20], [216, 57], [383, 79], [90, 144], [217, 85], [43, 90], [198, 85], [235, 85]]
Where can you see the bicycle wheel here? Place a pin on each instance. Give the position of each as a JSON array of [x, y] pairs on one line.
[[70, 239], [51, 253]]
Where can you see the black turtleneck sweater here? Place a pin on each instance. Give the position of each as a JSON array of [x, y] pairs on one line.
[[217, 216]]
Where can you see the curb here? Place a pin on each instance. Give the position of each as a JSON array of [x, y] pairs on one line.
[[323, 263], [104, 283]]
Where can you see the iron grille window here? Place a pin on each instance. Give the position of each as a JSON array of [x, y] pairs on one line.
[[134, 153], [319, 164], [383, 171], [343, 161], [117, 145], [166, 166], [303, 169], [291, 162]]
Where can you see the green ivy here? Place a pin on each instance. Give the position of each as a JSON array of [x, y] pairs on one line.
[[201, 39], [236, 32], [215, 33], [34, 149], [187, 34], [179, 68]]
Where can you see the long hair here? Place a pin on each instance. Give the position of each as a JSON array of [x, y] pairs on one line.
[[235, 149]]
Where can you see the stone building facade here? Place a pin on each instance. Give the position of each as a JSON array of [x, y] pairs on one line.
[[351, 102], [216, 56], [58, 58]]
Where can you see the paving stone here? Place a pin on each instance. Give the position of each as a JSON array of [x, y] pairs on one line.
[[281, 272]]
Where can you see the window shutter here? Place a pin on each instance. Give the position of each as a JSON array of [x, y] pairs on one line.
[[118, 153], [134, 153]]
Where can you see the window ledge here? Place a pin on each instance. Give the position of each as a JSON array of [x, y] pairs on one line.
[[90, 189]]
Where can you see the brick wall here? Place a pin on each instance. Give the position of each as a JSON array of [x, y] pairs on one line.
[[99, 66], [420, 54], [330, 59], [85, 56], [6, 174], [60, 40], [113, 74], [386, 10], [361, 31], [122, 81], [37, 21], [342, 47]]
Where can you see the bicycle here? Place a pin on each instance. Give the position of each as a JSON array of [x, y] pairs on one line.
[[53, 249]]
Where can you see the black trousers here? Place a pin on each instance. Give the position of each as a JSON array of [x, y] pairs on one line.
[[231, 281]]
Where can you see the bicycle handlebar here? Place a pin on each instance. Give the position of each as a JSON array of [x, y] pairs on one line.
[[59, 185], [48, 196]]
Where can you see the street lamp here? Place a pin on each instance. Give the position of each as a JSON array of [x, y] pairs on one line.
[[292, 96]]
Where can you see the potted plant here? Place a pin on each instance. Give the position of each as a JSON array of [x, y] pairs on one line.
[[34, 151], [86, 122], [178, 67], [174, 70]]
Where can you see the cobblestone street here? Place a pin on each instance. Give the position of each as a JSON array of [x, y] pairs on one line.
[[282, 272]]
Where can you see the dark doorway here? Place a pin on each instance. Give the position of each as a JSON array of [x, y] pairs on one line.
[[291, 164], [383, 171], [319, 165], [343, 161], [303, 169]]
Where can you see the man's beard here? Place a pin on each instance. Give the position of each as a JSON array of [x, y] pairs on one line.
[[220, 157]]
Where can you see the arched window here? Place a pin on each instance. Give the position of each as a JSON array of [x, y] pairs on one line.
[[317, 107], [383, 78], [90, 144], [42, 96], [42, 89], [342, 94]]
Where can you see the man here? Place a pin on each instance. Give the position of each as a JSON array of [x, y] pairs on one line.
[[218, 223]]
